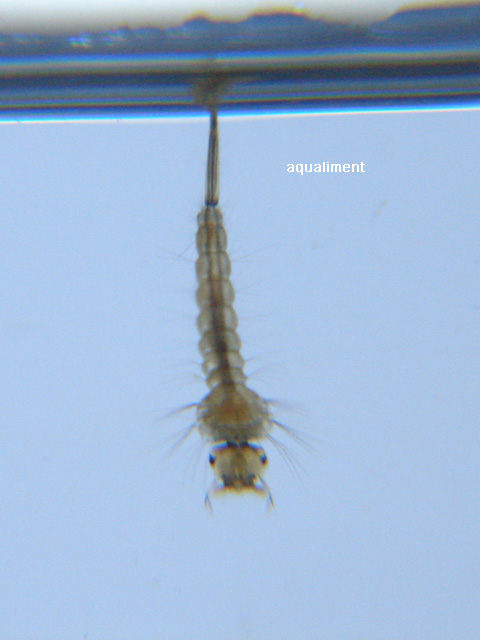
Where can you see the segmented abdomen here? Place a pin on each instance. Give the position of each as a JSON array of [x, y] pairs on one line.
[[217, 321]]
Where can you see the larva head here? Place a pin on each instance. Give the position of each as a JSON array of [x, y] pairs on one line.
[[239, 467]]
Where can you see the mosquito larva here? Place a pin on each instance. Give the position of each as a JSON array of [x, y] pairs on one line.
[[232, 417]]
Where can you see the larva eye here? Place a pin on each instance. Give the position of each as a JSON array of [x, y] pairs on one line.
[[211, 459], [263, 459]]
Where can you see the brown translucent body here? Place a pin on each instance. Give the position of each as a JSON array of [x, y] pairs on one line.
[[231, 416]]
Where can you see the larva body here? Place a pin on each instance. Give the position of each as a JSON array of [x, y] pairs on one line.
[[231, 416]]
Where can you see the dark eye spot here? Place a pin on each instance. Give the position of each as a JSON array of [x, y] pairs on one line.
[[263, 459], [211, 459]]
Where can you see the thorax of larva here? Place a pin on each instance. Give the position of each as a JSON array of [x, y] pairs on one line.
[[233, 413]]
